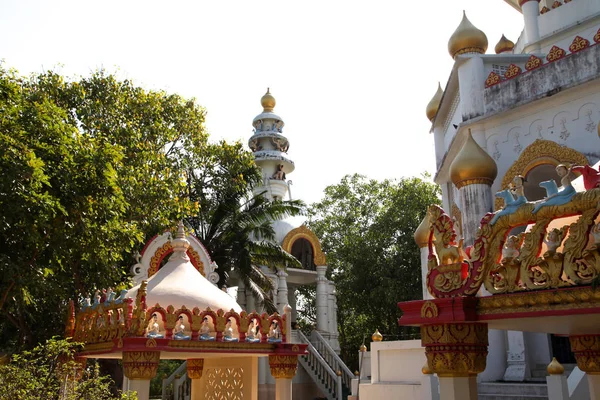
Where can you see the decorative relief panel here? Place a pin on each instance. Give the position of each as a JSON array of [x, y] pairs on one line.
[[224, 383]]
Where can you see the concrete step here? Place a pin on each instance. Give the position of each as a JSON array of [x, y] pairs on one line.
[[512, 391]]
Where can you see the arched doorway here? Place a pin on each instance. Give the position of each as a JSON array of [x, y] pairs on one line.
[[303, 251]]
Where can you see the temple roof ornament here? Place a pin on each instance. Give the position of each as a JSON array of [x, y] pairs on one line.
[[467, 39], [434, 103], [268, 101], [504, 45], [472, 165], [422, 233]]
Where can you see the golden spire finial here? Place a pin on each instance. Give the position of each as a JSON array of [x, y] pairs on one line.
[[268, 101], [377, 337], [472, 165], [555, 368], [467, 39], [504, 45], [434, 103], [421, 235]]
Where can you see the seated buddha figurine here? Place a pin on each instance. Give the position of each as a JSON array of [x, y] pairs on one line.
[[205, 330], [180, 330], [153, 329], [274, 333], [228, 333], [252, 335]]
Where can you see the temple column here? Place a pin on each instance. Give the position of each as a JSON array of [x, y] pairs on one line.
[[531, 12], [283, 369], [282, 291], [321, 300], [292, 294], [429, 385], [518, 367], [195, 367], [587, 353], [140, 367], [456, 352]]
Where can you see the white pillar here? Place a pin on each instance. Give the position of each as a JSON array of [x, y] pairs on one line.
[[458, 388], [241, 295], [141, 386], [321, 299], [429, 387], [292, 296], [471, 75], [594, 383], [330, 306], [531, 12], [558, 389], [518, 368], [282, 291], [283, 389], [250, 304], [440, 148], [478, 197]]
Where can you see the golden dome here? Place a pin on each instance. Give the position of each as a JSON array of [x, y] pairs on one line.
[[422, 233], [434, 103], [472, 165], [363, 348], [467, 39], [555, 368], [377, 337], [268, 102], [425, 369], [504, 45]]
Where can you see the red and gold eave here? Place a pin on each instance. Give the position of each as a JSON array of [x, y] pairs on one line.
[[567, 311]]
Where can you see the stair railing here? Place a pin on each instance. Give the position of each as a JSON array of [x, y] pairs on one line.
[[170, 382], [331, 357], [320, 371]]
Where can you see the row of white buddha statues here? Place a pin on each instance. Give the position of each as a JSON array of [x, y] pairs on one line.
[[205, 334]]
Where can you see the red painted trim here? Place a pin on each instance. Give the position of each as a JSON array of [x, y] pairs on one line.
[[539, 314]]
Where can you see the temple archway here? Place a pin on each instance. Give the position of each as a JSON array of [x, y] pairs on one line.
[[302, 238]]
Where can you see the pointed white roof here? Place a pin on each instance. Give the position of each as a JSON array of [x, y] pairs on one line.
[[179, 283]]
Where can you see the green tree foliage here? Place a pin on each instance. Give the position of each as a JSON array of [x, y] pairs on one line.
[[46, 372], [91, 168], [235, 225], [366, 228]]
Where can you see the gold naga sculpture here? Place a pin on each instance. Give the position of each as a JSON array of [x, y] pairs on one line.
[[506, 262]]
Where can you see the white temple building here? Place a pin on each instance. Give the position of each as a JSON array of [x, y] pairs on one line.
[[533, 105]]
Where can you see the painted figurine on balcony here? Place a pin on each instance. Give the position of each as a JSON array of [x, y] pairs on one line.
[[274, 333], [252, 335], [180, 330], [205, 330], [153, 329], [228, 333]]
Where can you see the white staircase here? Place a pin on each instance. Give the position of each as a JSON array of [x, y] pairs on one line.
[[325, 367], [177, 386]]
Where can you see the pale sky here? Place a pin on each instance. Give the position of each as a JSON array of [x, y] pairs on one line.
[[351, 78]]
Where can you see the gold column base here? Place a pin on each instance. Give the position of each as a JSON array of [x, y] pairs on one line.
[[195, 366], [283, 366], [140, 364], [587, 353]]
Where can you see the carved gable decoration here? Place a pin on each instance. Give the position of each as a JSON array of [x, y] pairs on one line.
[[597, 37], [539, 152], [492, 79], [302, 232], [512, 71]]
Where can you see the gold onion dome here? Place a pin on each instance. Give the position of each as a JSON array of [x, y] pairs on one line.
[[555, 368], [422, 233], [363, 348], [268, 101], [472, 165], [434, 103], [504, 45], [377, 337], [467, 39]]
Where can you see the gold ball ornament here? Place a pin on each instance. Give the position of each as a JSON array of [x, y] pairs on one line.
[[467, 39], [472, 164], [504, 45], [426, 370], [363, 348], [434, 104], [555, 368], [268, 101], [377, 337]]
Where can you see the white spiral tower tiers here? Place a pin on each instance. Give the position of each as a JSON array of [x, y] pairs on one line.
[[270, 151]]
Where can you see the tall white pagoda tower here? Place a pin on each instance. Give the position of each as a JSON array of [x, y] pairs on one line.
[[270, 150]]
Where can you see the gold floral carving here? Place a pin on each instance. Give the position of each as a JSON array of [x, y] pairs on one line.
[[533, 62], [302, 232], [474, 181], [283, 366], [540, 152], [140, 364], [556, 4], [455, 349], [512, 71], [578, 44], [555, 53], [492, 79], [195, 366], [429, 310], [587, 353], [597, 37], [554, 300], [544, 10]]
